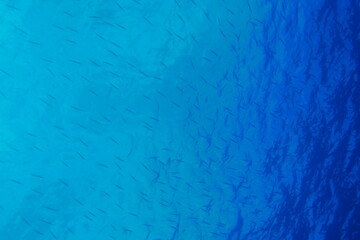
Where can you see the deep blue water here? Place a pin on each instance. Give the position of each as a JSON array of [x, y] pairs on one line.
[[179, 119]]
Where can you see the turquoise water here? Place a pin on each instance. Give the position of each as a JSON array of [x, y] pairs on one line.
[[179, 119]]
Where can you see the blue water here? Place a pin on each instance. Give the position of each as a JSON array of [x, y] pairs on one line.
[[179, 119]]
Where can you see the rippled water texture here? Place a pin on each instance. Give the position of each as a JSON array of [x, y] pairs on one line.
[[179, 120]]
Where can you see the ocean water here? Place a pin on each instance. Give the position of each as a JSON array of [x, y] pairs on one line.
[[179, 119]]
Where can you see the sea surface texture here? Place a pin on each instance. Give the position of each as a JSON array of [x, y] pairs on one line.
[[179, 120]]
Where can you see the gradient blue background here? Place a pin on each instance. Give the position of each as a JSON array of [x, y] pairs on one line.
[[179, 119]]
